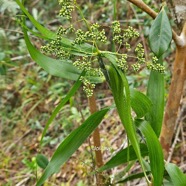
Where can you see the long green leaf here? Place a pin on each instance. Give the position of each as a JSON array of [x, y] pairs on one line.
[[61, 104], [155, 91], [119, 86], [160, 34], [155, 152], [54, 67], [123, 156], [176, 175], [140, 103], [71, 144]]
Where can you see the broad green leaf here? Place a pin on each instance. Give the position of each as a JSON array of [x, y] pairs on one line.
[[121, 93], [140, 103], [61, 104], [42, 161], [155, 91], [155, 151], [71, 144], [176, 175], [160, 34], [54, 67], [123, 156]]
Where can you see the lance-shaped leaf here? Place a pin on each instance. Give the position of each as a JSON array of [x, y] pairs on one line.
[[155, 151], [160, 34], [71, 144], [155, 91], [121, 93], [60, 68]]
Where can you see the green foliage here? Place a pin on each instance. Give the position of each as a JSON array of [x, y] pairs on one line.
[[124, 156], [79, 57], [71, 144], [176, 175], [160, 34]]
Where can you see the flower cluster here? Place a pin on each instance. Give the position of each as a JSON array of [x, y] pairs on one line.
[[155, 66], [85, 64], [64, 31], [122, 62], [140, 53], [130, 33], [55, 48], [88, 87], [67, 7], [119, 36], [136, 67], [93, 35]]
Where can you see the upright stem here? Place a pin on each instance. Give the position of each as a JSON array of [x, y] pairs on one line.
[[96, 139]]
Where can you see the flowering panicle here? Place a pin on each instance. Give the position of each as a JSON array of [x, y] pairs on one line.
[[64, 31], [55, 48], [67, 6], [88, 87], [122, 62], [92, 35], [155, 66]]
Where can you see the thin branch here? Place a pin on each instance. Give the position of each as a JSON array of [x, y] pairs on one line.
[[140, 4]]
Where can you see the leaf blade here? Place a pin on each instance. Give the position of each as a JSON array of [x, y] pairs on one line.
[[71, 144], [160, 34], [176, 175], [123, 156], [140, 103], [156, 92], [155, 151]]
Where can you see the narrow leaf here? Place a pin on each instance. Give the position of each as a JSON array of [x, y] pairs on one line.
[[71, 144], [155, 152], [140, 103], [119, 85], [176, 175], [155, 91], [160, 34], [54, 67], [123, 156]]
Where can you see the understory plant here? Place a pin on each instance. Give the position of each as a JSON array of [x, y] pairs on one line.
[[78, 54]]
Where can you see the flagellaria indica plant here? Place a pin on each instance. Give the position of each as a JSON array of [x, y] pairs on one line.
[[79, 56]]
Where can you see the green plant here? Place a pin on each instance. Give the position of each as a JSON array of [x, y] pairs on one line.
[[81, 59]]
